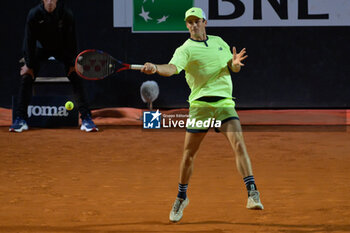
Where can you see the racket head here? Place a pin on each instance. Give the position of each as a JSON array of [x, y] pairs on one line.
[[93, 64]]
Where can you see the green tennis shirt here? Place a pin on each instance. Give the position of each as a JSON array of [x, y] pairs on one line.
[[205, 63]]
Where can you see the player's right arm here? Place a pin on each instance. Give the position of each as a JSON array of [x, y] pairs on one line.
[[166, 70], [176, 64]]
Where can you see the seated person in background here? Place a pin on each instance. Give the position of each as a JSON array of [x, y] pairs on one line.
[[50, 31]]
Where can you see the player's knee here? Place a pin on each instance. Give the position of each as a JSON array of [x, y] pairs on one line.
[[188, 157], [238, 144], [239, 147], [188, 161]]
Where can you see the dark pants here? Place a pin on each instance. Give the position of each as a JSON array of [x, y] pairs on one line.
[[25, 89]]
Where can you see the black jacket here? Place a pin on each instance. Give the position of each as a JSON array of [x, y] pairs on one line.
[[55, 33]]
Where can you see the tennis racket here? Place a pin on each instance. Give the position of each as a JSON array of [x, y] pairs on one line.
[[93, 64]]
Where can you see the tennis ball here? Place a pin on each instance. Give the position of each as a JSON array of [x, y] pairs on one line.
[[69, 105]]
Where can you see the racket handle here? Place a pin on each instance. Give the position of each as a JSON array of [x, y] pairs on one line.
[[136, 67]]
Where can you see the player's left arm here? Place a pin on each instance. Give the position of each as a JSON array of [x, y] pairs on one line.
[[235, 63]]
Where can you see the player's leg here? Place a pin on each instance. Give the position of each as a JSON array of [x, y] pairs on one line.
[[199, 111], [191, 146], [233, 132], [194, 137], [80, 97]]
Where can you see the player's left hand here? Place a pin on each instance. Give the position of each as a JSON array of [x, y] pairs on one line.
[[238, 58]]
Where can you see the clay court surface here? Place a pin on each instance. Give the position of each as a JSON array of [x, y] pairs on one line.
[[124, 179]]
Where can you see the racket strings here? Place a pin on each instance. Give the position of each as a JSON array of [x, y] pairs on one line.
[[94, 64]]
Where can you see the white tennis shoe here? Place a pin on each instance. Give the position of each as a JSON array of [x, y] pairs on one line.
[[254, 202], [178, 208]]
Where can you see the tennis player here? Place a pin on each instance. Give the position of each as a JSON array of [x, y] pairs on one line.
[[206, 60]]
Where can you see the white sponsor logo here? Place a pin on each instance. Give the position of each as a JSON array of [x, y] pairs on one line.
[[60, 111]]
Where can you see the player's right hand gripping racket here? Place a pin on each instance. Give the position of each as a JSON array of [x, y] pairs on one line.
[[93, 64]]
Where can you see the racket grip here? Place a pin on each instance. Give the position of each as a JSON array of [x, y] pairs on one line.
[[136, 67]]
